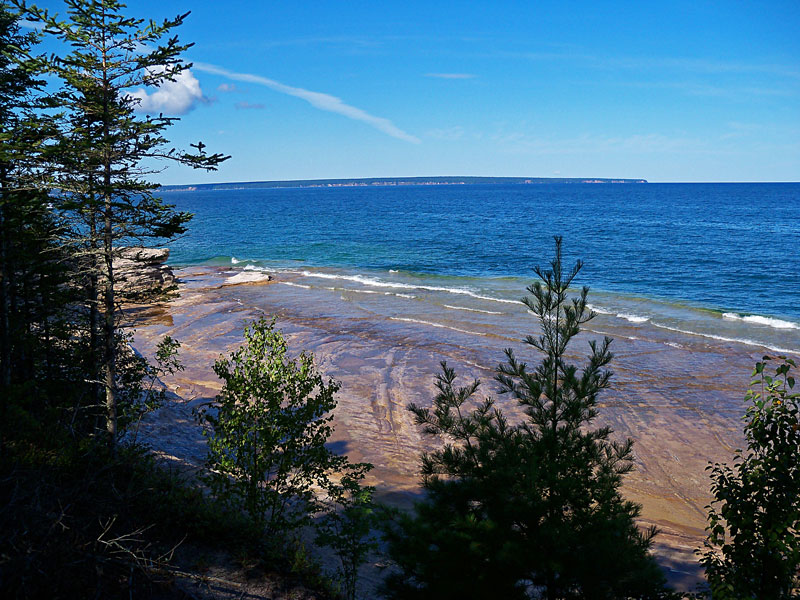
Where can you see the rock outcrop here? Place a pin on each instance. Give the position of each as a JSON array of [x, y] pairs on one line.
[[142, 274]]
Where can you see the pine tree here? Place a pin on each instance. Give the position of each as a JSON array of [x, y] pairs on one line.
[[17, 83], [36, 349], [528, 509], [753, 545], [105, 148]]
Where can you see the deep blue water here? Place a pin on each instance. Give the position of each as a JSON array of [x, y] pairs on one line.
[[725, 247]]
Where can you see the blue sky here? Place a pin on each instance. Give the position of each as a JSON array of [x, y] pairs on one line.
[[667, 91]]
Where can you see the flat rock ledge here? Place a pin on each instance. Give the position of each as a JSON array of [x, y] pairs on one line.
[[248, 278]]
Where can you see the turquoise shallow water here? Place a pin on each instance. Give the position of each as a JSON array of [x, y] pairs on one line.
[[718, 261]]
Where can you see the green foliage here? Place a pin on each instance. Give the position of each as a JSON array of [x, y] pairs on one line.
[[753, 545], [101, 156], [41, 361], [532, 509], [267, 432], [80, 519], [347, 525], [23, 127], [79, 522], [138, 381]]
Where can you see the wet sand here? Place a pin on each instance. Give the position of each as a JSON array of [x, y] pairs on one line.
[[680, 398]]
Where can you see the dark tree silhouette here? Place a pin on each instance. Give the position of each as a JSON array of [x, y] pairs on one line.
[[531, 509]]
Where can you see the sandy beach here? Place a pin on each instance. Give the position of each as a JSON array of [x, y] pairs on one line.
[[680, 399]]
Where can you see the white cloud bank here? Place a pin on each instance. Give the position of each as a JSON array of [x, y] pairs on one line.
[[316, 99], [176, 97]]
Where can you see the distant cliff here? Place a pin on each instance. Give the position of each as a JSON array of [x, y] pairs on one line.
[[382, 181]]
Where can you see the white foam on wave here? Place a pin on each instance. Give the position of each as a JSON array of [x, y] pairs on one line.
[[393, 271], [292, 284], [490, 298], [599, 309], [623, 315], [632, 318], [234, 260], [370, 281], [398, 294], [614, 335], [477, 310], [357, 278], [255, 268], [721, 338], [440, 325], [759, 320]]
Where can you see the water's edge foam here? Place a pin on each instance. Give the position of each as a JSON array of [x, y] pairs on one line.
[[379, 286]]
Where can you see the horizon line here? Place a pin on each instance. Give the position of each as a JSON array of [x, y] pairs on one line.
[[465, 177]]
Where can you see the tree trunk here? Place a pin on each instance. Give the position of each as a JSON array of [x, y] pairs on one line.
[[109, 328], [5, 346], [25, 351], [94, 313], [108, 254], [45, 305]]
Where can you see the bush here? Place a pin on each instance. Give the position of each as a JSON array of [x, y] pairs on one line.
[[753, 546], [267, 432], [346, 525]]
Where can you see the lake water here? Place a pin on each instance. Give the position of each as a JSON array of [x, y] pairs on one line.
[[694, 283], [716, 262]]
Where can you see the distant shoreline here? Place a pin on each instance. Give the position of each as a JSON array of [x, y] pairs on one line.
[[390, 181]]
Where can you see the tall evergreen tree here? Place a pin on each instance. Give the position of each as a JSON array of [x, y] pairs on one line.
[[16, 86], [531, 509], [35, 344], [105, 151]]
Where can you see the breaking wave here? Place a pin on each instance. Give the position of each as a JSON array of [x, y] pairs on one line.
[[623, 315], [632, 318], [407, 320], [292, 284], [722, 338], [371, 281], [759, 320], [477, 310]]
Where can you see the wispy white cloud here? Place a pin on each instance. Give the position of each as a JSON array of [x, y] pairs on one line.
[[318, 100], [702, 89], [642, 143], [701, 65], [657, 63], [249, 106], [450, 134], [343, 40], [451, 75], [30, 24], [227, 88], [176, 97]]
